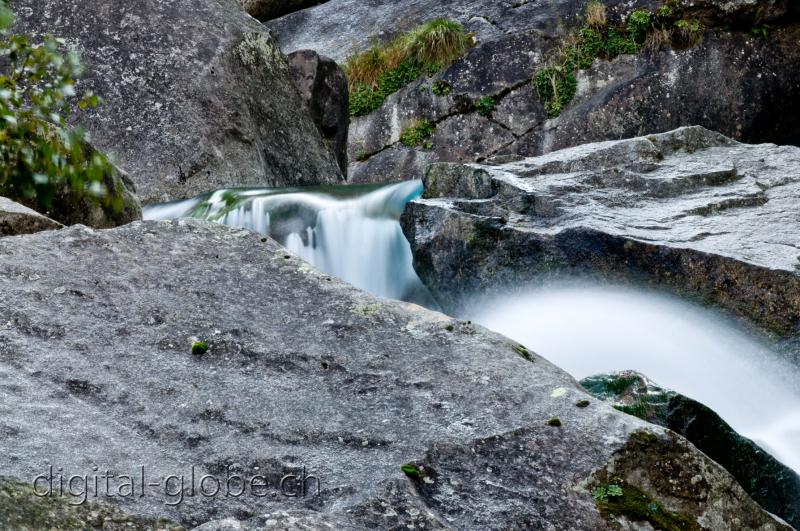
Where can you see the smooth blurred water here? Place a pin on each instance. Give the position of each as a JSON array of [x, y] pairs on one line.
[[588, 330], [352, 232]]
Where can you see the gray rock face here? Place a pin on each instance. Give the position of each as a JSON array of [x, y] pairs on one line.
[[323, 90], [337, 26], [732, 81], [302, 370], [689, 211], [269, 9], [197, 95], [18, 219]]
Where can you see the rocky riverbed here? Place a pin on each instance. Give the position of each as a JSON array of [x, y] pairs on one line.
[[182, 374]]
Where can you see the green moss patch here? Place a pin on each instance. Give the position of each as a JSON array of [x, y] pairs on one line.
[[21, 509], [485, 105], [523, 351], [199, 348], [622, 499], [386, 68]]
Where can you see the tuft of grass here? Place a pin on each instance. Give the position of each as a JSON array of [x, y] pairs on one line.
[[418, 133], [439, 41], [384, 69], [689, 31], [596, 15], [199, 348]]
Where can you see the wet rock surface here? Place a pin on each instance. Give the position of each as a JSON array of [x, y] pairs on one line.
[[18, 219], [770, 483], [303, 372], [197, 94], [689, 211]]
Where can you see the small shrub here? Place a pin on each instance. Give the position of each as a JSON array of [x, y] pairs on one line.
[[485, 105], [441, 88], [199, 348], [42, 158], [638, 24], [596, 15], [620, 43], [589, 46], [418, 134], [556, 86]]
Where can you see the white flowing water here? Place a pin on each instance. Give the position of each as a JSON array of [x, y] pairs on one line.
[[353, 232], [588, 330]]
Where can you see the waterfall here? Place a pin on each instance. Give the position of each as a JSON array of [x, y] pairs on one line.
[[587, 330], [352, 232]]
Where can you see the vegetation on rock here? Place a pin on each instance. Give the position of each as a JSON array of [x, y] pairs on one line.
[[42, 159], [386, 68], [199, 348], [418, 133], [556, 83], [485, 105], [632, 502]]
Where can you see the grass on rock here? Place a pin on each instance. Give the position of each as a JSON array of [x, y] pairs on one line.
[[384, 69], [556, 83]]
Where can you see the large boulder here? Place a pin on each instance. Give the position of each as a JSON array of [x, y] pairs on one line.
[[303, 376], [773, 485], [689, 211], [18, 219], [742, 78], [197, 94], [323, 90]]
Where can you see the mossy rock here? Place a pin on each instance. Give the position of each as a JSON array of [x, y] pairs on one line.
[[771, 484], [22, 510]]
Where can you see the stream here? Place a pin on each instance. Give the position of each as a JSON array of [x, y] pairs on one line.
[[353, 232]]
